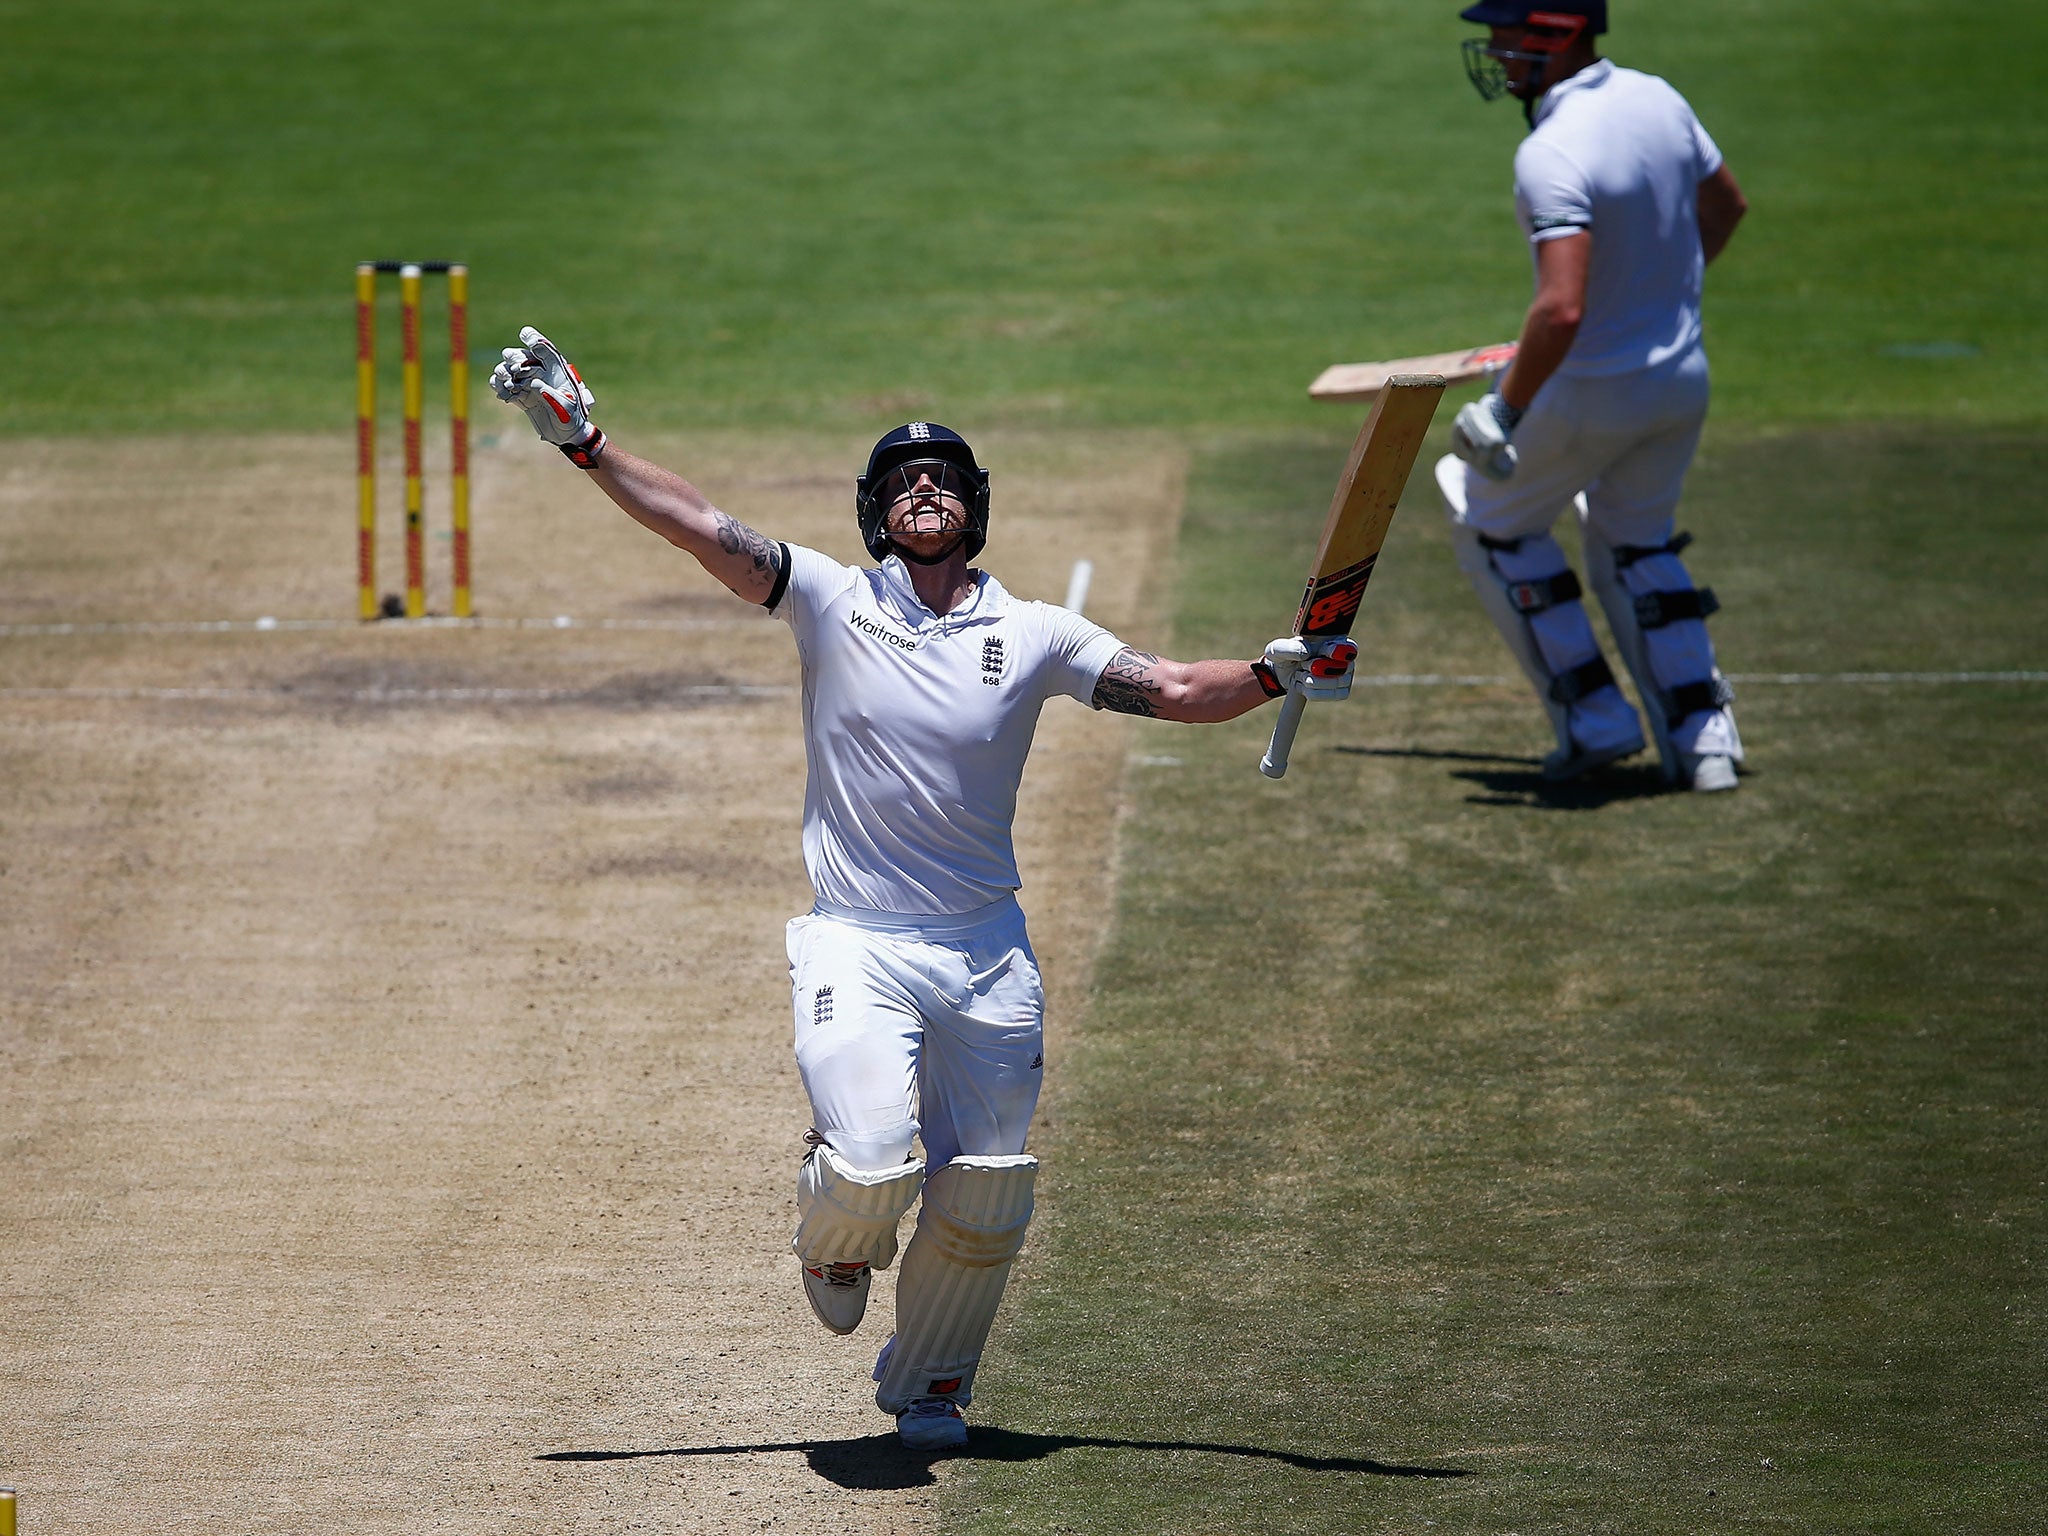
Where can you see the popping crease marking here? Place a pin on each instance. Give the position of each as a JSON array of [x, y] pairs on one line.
[[267, 625], [395, 695], [1747, 679]]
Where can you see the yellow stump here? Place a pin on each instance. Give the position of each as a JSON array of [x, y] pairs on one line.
[[366, 443], [6, 1512], [458, 428], [415, 519]]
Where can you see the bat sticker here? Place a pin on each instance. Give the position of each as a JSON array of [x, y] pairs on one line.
[[1331, 601]]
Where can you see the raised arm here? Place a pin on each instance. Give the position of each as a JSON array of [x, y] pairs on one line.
[[1204, 692], [1200, 692], [747, 562], [536, 377]]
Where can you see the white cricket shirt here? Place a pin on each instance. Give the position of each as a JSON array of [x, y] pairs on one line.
[[1619, 153], [916, 728]]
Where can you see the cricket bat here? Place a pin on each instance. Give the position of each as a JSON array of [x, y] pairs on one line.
[[1356, 528], [1361, 381]]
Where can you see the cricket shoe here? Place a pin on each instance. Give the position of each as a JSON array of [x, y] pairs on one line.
[[1573, 762], [932, 1424], [838, 1293], [1709, 772]]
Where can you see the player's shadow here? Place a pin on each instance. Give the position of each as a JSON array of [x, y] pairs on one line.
[[882, 1462], [1519, 781]]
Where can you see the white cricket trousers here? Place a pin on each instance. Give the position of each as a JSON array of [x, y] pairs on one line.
[[1627, 442], [927, 1027]]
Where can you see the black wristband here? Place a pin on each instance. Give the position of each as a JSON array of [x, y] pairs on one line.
[[585, 455], [1507, 415], [1268, 679]]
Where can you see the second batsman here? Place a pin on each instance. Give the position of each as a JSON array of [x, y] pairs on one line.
[[1624, 200]]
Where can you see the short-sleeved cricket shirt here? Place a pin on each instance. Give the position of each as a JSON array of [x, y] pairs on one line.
[[916, 727], [1621, 154]]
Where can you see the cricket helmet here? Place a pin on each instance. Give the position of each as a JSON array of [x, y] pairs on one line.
[[908, 446], [1548, 30], [1516, 13]]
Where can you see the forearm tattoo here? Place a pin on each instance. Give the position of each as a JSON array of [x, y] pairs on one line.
[[736, 538], [1127, 685]]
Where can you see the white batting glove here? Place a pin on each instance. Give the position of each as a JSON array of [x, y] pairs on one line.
[[1319, 670], [536, 377], [1480, 436]]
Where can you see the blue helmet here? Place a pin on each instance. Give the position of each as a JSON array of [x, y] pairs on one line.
[[1515, 13], [1549, 29], [919, 442]]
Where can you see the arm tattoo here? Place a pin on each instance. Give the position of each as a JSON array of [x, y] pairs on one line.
[[1127, 685], [736, 538]]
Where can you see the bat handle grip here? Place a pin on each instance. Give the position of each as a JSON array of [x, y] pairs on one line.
[[1274, 764]]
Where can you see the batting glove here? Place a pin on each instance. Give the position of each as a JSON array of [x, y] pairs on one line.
[[536, 377], [1319, 670], [1480, 436]]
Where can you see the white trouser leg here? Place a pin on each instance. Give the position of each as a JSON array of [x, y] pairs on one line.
[[1527, 589], [899, 1036], [1632, 562], [932, 1031]]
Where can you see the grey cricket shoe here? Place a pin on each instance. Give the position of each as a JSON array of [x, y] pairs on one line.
[[932, 1424], [838, 1293], [1710, 773]]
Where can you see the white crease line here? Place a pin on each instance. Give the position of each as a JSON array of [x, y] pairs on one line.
[[1794, 679], [412, 695], [1425, 680], [1748, 679], [382, 626], [601, 694]]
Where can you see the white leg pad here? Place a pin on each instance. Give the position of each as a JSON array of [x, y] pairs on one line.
[[1670, 658], [848, 1215], [1550, 637], [969, 1232]]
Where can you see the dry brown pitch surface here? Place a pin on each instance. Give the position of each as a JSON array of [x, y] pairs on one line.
[[397, 1122]]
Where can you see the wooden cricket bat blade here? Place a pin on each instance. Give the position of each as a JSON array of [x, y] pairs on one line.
[[1356, 529], [1362, 381]]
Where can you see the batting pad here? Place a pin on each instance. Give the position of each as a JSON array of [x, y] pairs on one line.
[[847, 1215], [970, 1230], [1663, 654]]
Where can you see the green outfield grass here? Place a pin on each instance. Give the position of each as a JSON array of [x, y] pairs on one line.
[[1655, 1163], [1156, 212]]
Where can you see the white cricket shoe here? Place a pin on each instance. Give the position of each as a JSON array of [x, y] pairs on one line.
[[1709, 772], [1566, 764], [838, 1293], [932, 1424]]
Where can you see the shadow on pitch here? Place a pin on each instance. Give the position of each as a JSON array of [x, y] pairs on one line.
[[1519, 781], [1527, 788], [881, 1461], [1441, 757]]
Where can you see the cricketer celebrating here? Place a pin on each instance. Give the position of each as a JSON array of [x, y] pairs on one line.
[[918, 1006], [1624, 200]]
